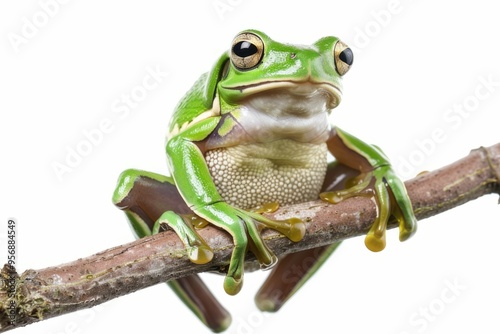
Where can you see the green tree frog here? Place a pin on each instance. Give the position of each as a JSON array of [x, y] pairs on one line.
[[255, 130]]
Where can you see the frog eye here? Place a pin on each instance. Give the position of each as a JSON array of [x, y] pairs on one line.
[[343, 57], [247, 51]]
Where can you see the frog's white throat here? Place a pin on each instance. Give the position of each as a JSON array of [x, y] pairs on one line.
[[299, 112]]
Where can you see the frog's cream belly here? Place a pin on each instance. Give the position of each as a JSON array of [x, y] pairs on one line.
[[282, 171]]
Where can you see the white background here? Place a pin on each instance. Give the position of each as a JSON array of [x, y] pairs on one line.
[[414, 61]]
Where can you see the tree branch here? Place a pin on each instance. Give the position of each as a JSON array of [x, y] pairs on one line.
[[45, 293]]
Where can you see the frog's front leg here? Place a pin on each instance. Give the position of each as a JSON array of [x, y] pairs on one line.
[[196, 186], [378, 181], [145, 197]]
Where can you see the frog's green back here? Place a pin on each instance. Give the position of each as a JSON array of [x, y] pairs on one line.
[[201, 95], [191, 104]]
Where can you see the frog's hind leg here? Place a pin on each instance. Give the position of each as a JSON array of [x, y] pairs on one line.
[[294, 270], [288, 276], [149, 198]]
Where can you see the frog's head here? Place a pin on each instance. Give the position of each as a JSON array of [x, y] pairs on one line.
[[263, 71]]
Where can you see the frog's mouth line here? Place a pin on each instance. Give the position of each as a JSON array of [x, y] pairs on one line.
[[299, 102], [297, 88]]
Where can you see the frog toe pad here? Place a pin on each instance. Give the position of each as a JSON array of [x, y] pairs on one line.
[[375, 242], [200, 254], [232, 285]]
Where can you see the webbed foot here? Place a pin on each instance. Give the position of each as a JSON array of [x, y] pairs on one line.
[[389, 194], [197, 249], [245, 227]]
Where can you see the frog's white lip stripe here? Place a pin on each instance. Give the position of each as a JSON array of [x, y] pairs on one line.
[[251, 89]]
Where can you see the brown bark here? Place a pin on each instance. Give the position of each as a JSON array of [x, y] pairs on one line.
[[45, 293]]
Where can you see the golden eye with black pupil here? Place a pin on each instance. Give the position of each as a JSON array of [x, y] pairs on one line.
[[343, 57], [247, 51]]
